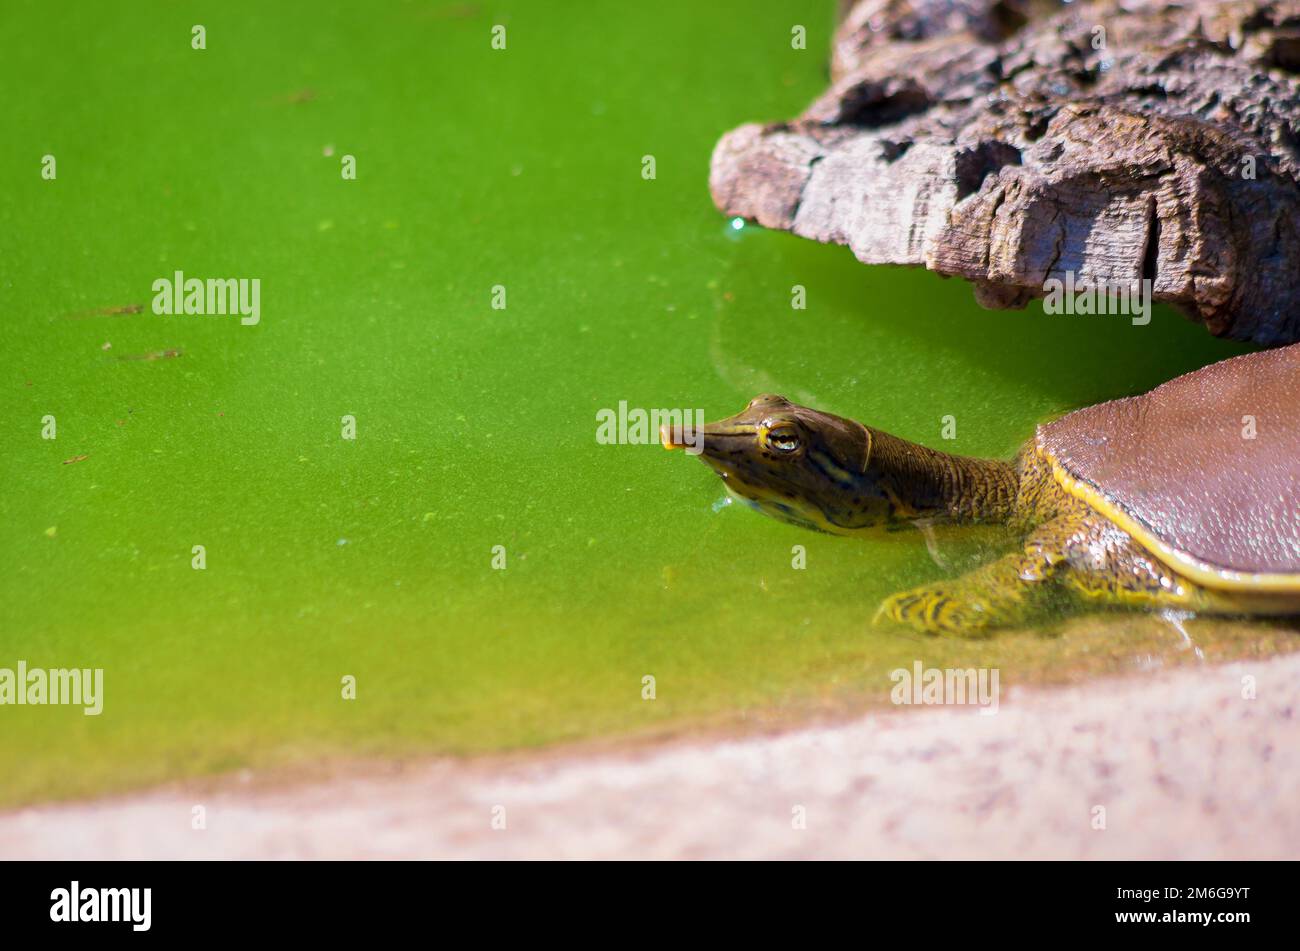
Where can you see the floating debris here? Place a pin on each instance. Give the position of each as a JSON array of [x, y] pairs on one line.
[[122, 311], [153, 355], [299, 97]]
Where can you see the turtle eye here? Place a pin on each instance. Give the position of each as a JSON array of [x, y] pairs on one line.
[[783, 440]]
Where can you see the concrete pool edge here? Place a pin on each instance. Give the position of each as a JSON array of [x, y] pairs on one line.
[[1180, 763]]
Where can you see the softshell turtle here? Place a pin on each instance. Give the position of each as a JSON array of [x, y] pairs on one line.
[[1186, 497]]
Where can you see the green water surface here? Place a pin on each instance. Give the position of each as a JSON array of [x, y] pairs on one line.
[[476, 427]]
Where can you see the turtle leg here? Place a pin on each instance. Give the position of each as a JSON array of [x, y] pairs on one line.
[[1103, 565], [1081, 552], [1001, 593]]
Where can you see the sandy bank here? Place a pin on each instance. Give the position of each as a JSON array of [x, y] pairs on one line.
[[1182, 764]]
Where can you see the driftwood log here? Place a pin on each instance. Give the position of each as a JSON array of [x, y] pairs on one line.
[[1009, 143]]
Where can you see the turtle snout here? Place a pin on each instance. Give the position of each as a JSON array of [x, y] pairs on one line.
[[683, 437], [670, 439]]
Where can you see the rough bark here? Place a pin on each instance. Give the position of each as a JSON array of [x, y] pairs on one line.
[[996, 141]]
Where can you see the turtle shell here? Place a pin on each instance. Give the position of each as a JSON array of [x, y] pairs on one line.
[[1204, 471]]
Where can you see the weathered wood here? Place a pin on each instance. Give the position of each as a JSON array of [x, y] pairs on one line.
[[1011, 142]]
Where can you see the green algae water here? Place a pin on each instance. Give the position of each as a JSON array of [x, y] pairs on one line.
[[483, 176]]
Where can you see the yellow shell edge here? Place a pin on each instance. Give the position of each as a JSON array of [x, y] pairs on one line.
[[1201, 572]]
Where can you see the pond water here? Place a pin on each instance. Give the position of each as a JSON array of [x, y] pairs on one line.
[[372, 558]]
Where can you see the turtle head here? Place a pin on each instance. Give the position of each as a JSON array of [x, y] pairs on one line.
[[796, 464]]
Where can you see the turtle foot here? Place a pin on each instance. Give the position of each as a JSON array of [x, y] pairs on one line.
[[949, 610]]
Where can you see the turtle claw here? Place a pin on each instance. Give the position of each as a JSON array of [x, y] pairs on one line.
[[940, 610], [880, 612]]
